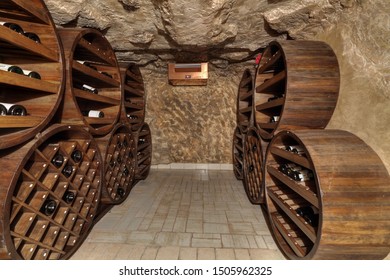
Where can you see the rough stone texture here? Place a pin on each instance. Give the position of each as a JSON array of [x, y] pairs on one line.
[[192, 124], [195, 124]]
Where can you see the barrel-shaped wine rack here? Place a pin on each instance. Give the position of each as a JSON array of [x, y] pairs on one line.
[[254, 152], [50, 191], [296, 86], [118, 150], [245, 100], [134, 96], [143, 152], [328, 196], [41, 97], [238, 152], [93, 87]]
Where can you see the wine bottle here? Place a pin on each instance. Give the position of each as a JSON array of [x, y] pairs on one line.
[[57, 160], [274, 119], [68, 197], [67, 171], [93, 114], [106, 74], [88, 64], [86, 87], [77, 156], [125, 171], [251, 168], [302, 175], [32, 36], [287, 167], [141, 140], [32, 74], [3, 110], [48, 207], [275, 97], [120, 192], [11, 68], [13, 26], [15, 109], [296, 149], [309, 214], [132, 117]]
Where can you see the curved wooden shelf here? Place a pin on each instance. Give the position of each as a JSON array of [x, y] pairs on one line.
[[253, 152], [245, 101], [35, 178], [143, 152], [90, 46], [119, 153], [133, 111], [41, 98], [349, 189], [238, 152], [298, 82]]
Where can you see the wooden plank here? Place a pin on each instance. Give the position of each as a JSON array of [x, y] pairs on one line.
[[96, 52], [95, 97], [22, 42], [246, 95], [133, 76], [94, 74], [135, 91], [133, 106], [270, 62], [31, 7], [268, 84], [99, 121], [19, 80], [19, 121], [270, 104], [304, 191], [290, 156]]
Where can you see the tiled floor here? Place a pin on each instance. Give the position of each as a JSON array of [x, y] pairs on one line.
[[182, 214]]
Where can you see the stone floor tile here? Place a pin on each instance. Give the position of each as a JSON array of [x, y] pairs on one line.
[[188, 253], [150, 253], [206, 254], [242, 254], [224, 254], [194, 226], [168, 253], [215, 228]]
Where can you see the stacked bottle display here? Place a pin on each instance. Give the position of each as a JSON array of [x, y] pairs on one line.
[[93, 88], [322, 192], [143, 152], [49, 203], [245, 100], [31, 70], [254, 152], [238, 152], [134, 96], [307, 98], [118, 150]]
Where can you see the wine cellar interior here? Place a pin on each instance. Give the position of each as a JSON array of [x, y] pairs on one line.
[[179, 143]]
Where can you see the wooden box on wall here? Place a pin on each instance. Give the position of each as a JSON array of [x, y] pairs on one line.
[[188, 74]]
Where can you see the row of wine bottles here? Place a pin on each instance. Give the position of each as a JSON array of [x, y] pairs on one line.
[[296, 172], [18, 29], [90, 65], [12, 109], [310, 214], [19, 70], [50, 205]]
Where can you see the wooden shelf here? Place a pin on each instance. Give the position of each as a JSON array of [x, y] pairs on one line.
[[143, 152], [98, 78], [137, 78], [41, 97], [36, 180], [94, 53], [269, 63], [270, 104], [298, 159], [246, 95], [95, 97], [271, 85]]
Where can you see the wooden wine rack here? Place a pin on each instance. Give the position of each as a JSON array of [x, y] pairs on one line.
[[32, 178], [245, 101], [297, 82], [84, 44], [144, 152], [41, 97], [238, 152], [134, 96], [254, 152], [350, 190], [118, 150]]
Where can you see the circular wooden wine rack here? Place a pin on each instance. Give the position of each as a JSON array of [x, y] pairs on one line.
[[296, 86], [238, 152], [40, 97], [254, 149], [93, 80], [144, 152], [118, 149], [50, 194], [134, 96], [244, 100], [328, 196]]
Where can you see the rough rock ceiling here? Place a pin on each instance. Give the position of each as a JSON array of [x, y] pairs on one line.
[[220, 31]]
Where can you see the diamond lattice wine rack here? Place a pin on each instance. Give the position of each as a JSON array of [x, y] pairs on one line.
[[49, 194], [144, 152]]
